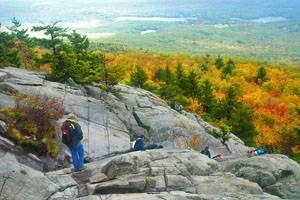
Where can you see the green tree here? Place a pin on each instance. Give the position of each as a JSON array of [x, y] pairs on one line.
[[261, 75], [8, 51], [169, 91], [112, 75], [18, 32], [56, 34], [97, 65], [225, 107], [223, 132], [192, 89], [138, 77], [158, 75], [167, 75], [206, 96], [204, 67], [181, 78], [65, 65], [80, 43], [219, 62], [241, 121], [230, 65]]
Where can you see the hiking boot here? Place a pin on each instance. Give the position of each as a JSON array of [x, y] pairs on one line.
[[80, 169]]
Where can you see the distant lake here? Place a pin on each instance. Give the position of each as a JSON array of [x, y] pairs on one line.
[[263, 20], [269, 19], [90, 13]]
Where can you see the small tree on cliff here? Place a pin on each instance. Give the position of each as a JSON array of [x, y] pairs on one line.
[[138, 77], [56, 34]]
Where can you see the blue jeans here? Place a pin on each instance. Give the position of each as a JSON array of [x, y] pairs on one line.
[[77, 155]]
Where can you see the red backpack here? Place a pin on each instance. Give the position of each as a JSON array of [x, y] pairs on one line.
[[67, 133]]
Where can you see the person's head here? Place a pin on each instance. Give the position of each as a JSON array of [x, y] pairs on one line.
[[71, 117], [141, 136], [206, 148]]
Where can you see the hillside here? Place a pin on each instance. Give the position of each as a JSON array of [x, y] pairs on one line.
[[262, 30], [258, 102], [109, 122]]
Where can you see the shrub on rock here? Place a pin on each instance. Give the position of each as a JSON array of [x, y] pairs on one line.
[[32, 123]]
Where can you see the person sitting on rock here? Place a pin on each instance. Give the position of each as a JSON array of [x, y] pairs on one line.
[[205, 151], [138, 144], [258, 151], [71, 136], [176, 107]]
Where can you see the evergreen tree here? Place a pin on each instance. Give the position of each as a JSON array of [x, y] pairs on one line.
[[18, 32], [112, 74], [230, 101], [169, 91], [138, 77], [241, 121], [225, 107], [8, 52], [219, 62], [230, 65], [56, 34], [206, 96], [167, 76], [204, 67], [181, 77], [158, 75], [192, 84], [80, 43], [97, 64], [261, 75]]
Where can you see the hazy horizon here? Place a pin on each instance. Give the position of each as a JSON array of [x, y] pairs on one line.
[[230, 27]]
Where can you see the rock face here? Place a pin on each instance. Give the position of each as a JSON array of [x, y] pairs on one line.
[[153, 174], [108, 123], [276, 174]]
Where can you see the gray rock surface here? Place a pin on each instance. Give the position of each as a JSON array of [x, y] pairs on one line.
[[276, 174], [108, 123]]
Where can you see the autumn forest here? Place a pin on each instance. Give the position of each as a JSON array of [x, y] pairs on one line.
[[257, 101]]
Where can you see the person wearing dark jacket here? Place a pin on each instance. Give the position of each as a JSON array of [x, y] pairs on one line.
[[206, 152], [139, 144], [72, 135]]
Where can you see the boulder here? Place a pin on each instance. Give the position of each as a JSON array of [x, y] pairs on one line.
[[19, 185], [3, 128], [3, 76], [276, 174]]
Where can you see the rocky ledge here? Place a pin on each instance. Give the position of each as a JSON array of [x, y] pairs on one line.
[[156, 174], [109, 122]]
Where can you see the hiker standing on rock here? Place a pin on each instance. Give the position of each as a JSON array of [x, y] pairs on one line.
[[71, 136]]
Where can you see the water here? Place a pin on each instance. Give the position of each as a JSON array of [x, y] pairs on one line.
[[94, 13]]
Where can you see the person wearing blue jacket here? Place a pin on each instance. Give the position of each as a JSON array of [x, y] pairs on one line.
[[139, 144]]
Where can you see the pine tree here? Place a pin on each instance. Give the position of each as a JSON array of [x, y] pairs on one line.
[[219, 62], [56, 34], [192, 84], [181, 78], [206, 96], [168, 76], [138, 77], [261, 75], [20, 33], [80, 43], [241, 121], [230, 65]]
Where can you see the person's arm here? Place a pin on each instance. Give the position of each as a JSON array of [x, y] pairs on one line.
[[79, 133]]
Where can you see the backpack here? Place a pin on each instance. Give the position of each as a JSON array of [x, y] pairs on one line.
[[67, 133]]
